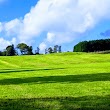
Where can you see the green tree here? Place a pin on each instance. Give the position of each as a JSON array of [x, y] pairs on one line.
[[0, 53], [59, 49], [10, 51], [92, 46], [23, 48], [50, 50], [4, 53], [55, 48], [29, 50], [37, 51]]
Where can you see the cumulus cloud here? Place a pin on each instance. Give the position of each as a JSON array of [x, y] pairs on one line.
[[9, 30], [13, 27], [61, 20], [4, 43], [59, 38], [42, 46]]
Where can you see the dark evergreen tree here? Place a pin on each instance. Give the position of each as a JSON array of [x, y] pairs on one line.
[[46, 51], [10, 50], [37, 51], [29, 50], [50, 50], [1, 53], [4, 53], [92, 46], [55, 49], [59, 49]]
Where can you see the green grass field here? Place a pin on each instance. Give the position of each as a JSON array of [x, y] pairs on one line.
[[66, 81]]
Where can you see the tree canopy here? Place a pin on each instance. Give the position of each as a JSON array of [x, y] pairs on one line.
[[10, 50], [23, 48], [92, 46]]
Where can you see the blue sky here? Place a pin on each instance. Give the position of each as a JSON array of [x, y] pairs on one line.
[[46, 23], [11, 9]]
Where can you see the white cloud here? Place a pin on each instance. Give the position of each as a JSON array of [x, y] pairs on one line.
[[58, 38], [4, 43], [42, 46], [61, 20], [63, 16], [50, 37], [13, 27]]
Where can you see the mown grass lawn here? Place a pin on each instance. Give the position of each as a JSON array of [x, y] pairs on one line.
[[65, 81]]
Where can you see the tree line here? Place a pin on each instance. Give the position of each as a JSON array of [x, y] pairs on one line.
[[92, 46], [55, 49], [24, 49]]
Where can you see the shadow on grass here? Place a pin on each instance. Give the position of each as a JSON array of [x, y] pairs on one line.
[[59, 79], [57, 103], [25, 70], [14, 70]]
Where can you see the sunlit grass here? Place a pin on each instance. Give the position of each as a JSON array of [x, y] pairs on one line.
[[64, 81]]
